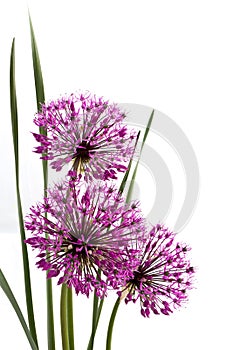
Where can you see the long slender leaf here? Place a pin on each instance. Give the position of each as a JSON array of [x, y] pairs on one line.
[[40, 98], [39, 86], [8, 292], [14, 122], [126, 175], [147, 129], [132, 182]]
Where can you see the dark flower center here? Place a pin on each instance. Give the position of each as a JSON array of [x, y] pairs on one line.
[[79, 249], [137, 279], [82, 151], [82, 155], [137, 275]]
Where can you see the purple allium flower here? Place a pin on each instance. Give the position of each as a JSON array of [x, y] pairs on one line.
[[87, 132], [163, 275], [84, 233]]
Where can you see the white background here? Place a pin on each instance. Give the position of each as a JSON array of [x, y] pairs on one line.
[[185, 58]]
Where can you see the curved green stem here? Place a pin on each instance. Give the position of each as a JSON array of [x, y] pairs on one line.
[[64, 318], [70, 319], [111, 324]]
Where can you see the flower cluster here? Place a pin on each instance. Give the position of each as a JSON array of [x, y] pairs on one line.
[[80, 233], [87, 132], [84, 231], [163, 275]]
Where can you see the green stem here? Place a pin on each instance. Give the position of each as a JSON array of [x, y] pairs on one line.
[[64, 318], [95, 316], [99, 312], [49, 293], [95, 309], [111, 324], [70, 318], [95, 322], [50, 317]]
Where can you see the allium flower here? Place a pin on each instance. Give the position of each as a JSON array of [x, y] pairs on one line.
[[87, 132], [163, 275], [84, 232]]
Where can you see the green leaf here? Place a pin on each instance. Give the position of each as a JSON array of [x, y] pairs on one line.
[[147, 129], [132, 182], [8, 292], [40, 99], [14, 122], [39, 88], [126, 175], [13, 108], [38, 77]]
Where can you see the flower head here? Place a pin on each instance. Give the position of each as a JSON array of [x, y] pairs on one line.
[[163, 275], [87, 132], [80, 233]]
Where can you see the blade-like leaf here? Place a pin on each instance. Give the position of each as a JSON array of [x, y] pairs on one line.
[[14, 122], [126, 175], [147, 129], [40, 99], [13, 108], [8, 292], [38, 77], [39, 87], [132, 182]]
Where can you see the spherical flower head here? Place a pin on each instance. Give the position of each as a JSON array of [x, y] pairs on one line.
[[163, 275], [86, 132], [80, 234]]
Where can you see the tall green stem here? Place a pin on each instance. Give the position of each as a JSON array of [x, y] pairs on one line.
[[95, 322], [96, 315], [70, 318], [111, 324], [50, 316], [64, 318]]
